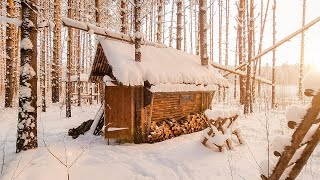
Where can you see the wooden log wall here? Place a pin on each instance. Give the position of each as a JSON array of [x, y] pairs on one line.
[[179, 104]]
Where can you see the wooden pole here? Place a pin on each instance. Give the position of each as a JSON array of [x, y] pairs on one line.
[[273, 96]]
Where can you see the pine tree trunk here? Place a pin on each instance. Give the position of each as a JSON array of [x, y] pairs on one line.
[[98, 12], [211, 31], [273, 98], [190, 24], [203, 32], [184, 27], [196, 29], [138, 90], [179, 24], [241, 48], [302, 52], [250, 48], [56, 59], [159, 30], [220, 31], [27, 117], [124, 16], [9, 85], [171, 25], [69, 64], [227, 32]]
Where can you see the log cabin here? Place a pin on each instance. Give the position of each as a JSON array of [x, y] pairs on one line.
[[166, 84]]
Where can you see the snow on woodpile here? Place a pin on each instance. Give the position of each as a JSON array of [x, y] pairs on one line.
[[312, 81], [158, 66], [217, 113]]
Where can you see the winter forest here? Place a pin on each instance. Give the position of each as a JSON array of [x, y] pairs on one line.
[[159, 89]]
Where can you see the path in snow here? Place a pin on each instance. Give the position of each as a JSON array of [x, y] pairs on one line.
[[180, 158]]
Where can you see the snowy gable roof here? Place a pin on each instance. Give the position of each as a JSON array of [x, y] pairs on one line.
[[157, 66]]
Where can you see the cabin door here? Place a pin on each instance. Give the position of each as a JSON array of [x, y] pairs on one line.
[[118, 112]]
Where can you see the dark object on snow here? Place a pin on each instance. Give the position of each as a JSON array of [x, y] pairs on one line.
[[309, 92], [83, 128], [98, 129]]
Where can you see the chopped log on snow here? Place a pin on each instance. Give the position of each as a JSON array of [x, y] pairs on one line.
[[83, 128]]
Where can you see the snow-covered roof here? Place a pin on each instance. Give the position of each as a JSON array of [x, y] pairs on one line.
[[84, 77], [157, 66]]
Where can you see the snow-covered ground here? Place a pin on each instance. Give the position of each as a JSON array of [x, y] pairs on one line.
[[90, 157]]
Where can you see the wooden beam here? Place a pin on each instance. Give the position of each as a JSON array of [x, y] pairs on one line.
[[299, 31], [105, 32], [239, 73]]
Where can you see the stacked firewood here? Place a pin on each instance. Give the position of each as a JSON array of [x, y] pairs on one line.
[[169, 128]]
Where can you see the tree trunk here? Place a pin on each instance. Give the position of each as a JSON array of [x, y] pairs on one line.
[[43, 61], [171, 25], [250, 44], [220, 31], [227, 32], [69, 63], [203, 32], [138, 91], [302, 52], [273, 98], [27, 117], [124, 16], [179, 24], [78, 50], [98, 12], [56, 55], [241, 48], [10, 51], [159, 30], [190, 24]]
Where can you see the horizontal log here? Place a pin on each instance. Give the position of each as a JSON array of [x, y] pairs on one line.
[[239, 73], [105, 32]]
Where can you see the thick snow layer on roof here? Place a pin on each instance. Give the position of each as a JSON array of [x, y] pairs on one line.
[[157, 66]]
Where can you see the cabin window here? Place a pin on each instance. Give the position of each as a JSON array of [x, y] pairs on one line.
[[186, 98]]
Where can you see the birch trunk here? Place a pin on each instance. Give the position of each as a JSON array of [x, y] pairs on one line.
[[43, 61]]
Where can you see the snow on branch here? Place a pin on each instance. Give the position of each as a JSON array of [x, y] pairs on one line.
[[93, 29], [14, 21]]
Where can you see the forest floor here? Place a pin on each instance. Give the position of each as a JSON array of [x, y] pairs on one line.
[[89, 157]]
